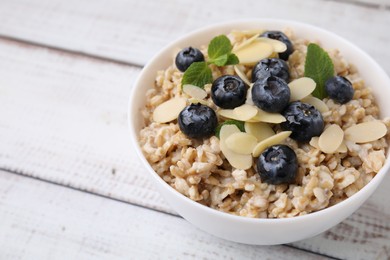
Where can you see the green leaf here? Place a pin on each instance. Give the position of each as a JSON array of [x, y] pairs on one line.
[[219, 46], [221, 60], [237, 123], [198, 74], [319, 67], [232, 59]]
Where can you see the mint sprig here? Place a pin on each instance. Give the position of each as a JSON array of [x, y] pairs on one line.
[[220, 54], [319, 67], [198, 74]]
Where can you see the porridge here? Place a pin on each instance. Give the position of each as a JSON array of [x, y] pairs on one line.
[[246, 130]]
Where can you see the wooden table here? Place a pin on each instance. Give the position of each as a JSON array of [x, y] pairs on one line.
[[71, 186]]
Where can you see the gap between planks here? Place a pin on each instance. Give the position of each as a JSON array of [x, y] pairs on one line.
[[366, 4], [20, 174], [69, 51]]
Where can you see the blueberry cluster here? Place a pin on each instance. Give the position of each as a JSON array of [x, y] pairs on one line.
[[271, 93]]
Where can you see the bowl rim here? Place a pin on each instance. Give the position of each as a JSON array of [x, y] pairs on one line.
[[312, 215]]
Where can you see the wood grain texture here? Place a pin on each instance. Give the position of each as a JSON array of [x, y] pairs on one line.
[[64, 121], [45, 221], [124, 30]]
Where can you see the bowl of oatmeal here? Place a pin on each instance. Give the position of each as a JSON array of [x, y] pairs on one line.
[[262, 131]]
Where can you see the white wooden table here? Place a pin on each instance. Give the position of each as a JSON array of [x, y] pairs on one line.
[[70, 185]]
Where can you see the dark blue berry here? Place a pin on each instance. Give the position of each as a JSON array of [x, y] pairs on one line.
[[278, 164], [339, 89], [186, 57], [270, 67], [277, 35], [229, 91], [304, 120], [271, 94], [197, 121]]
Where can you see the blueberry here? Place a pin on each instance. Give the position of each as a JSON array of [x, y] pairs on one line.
[[186, 57], [277, 35], [339, 89], [304, 120], [228, 91], [271, 94], [271, 67], [197, 121], [277, 164]]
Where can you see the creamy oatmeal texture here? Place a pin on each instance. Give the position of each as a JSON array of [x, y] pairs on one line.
[[200, 171]]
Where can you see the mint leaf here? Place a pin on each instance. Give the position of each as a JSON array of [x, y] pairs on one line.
[[221, 60], [232, 59], [237, 123], [219, 46], [319, 67], [198, 74]]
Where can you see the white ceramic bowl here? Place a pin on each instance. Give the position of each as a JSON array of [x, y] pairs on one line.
[[242, 229]]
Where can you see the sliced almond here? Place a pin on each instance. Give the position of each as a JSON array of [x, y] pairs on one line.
[[242, 143], [242, 75], [277, 45], [246, 42], [266, 117], [195, 101], [366, 132], [301, 88], [317, 103], [195, 92], [259, 130], [249, 100], [245, 112], [314, 142], [252, 53], [239, 161], [228, 113], [169, 110], [275, 139], [342, 148], [331, 139]]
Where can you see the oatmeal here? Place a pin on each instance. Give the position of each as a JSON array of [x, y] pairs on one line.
[[219, 166]]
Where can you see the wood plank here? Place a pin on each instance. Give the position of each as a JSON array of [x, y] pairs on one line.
[[45, 221], [123, 30], [64, 121]]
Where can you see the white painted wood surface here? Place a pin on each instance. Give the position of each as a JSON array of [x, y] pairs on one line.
[[133, 31], [63, 115], [45, 221]]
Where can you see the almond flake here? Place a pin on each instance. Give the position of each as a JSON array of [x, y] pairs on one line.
[[266, 117], [169, 110], [342, 148], [366, 132], [228, 113], [301, 88], [317, 103], [242, 75], [314, 142], [245, 43], [242, 143], [278, 46], [239, 161], [259, 130], [276, 139], [196, 101], [245, 112], [331, 139], [194, 91], [252, 53], [249, 100]]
